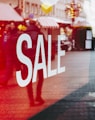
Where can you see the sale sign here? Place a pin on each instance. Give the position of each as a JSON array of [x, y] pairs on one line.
[[47, 64], [37, 66]]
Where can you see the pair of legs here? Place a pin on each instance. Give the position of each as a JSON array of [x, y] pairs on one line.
[[38, 90], [10, 63]]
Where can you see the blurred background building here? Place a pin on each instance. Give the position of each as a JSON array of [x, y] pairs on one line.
[[64, 12], [26, 7]]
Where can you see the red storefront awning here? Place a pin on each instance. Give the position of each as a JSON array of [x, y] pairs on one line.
[[46, 22]]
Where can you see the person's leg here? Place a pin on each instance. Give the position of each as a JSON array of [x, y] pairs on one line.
[[8, 71], [39, 87], [29, 87], [30, 94]]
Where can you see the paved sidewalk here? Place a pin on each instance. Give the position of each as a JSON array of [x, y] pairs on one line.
[[68, 96]]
